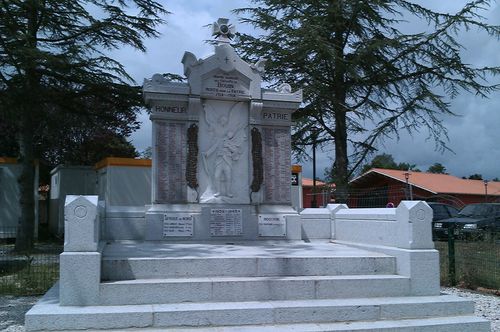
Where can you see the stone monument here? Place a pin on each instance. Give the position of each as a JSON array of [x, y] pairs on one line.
[[221, 150], [221, 174]]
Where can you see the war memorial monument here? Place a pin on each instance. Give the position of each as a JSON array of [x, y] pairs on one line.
[[220, 247]]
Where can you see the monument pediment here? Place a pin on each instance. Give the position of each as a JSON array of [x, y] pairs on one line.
[[224, 73]]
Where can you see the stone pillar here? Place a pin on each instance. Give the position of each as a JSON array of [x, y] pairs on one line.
[[414, 222], [80, 263]]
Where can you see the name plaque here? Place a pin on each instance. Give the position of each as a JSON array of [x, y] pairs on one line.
[[226, 222], [224, 85], [177, 224], [170, 145], [276, 150], [272, 225]]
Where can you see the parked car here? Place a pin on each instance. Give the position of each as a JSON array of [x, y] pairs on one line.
[[442, 211], [472, 221]]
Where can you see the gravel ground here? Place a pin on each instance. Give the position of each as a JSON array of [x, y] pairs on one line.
[[487, 306], [12, 309]]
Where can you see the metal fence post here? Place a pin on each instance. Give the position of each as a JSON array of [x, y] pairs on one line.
[[451, 255]]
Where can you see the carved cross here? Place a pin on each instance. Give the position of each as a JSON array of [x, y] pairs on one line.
[[223, 30]]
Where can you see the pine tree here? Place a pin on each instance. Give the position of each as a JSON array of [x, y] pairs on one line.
[[363, 78], [437, 168], [53, 61]]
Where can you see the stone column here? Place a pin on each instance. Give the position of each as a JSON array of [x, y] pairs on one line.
[[80, 263]]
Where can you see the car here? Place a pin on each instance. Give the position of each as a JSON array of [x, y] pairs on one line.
[[442, 211], [471, 222]]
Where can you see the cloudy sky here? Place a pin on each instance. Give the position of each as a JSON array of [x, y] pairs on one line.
[[474, 135]]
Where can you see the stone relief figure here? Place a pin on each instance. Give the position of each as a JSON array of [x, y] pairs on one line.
[[227, 136]]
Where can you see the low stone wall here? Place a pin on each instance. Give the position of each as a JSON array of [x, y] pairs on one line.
[[403, 232]]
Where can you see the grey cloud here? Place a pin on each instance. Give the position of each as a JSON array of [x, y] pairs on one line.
[[474, 135]]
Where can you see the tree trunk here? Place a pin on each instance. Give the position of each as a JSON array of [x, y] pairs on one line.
[[28, 106], [339, 92], [341, 157], [25, 227]]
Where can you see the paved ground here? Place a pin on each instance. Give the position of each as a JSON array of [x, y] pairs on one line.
[[12, 309]]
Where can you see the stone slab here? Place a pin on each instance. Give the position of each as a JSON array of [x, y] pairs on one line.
[[80, 274], [124, 228], [316, 229], [316, 213], [233, 289], [123, 268], [448, 324], [222, 249], [420, 265], [47, 315], [125, 211], [293, 228]]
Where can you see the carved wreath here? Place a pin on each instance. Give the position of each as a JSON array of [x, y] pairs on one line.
[[258, 175], [192, 156]]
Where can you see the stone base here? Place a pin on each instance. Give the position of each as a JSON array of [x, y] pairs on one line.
[[442, 313], [235, 222], [253, 286]]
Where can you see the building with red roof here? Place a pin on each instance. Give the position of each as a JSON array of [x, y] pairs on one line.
[[379, 186], [323, 192]]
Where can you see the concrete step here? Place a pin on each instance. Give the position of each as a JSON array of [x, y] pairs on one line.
[[125, 261], [232, 289], [446, 324], [429, 313], [153, 268]]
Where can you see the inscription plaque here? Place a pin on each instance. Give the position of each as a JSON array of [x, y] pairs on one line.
[[171, 186], [177, 224], [226, 222], [225, 85], [272, 225], [276, 152]]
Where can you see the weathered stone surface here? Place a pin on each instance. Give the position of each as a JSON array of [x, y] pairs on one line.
[[81, 226], [80, 275]]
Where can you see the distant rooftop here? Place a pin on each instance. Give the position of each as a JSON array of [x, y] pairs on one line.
[[434, 183], [306, 182]]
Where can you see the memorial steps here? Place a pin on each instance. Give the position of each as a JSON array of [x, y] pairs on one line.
[[294, 286]]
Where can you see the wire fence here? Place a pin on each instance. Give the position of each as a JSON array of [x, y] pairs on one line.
[[470, 262], [27, 273], [380, 197]]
